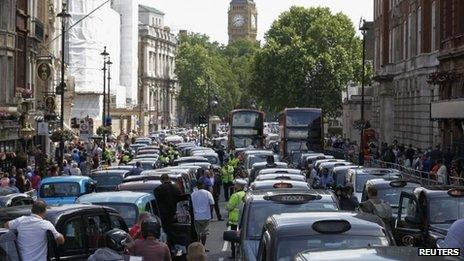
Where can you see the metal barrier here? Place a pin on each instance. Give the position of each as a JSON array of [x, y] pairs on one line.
[[417, 175]]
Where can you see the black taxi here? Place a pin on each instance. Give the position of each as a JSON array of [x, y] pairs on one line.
[[259, 205], [389, 190], [83, 227], [393, 253], [285, 235], [425, 215]]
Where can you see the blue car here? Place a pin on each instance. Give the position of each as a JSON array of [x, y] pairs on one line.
[[65, 189]]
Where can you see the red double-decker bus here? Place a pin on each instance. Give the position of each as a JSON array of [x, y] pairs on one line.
[[301, 130], [246, 129]]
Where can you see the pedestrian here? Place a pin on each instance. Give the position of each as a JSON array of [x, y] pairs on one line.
[[233, 207], [448, 158], [326, 180], [21, 182], [196, 252], [75, 171], [54, 171], [376, 206], [436, 155], [150, 248], [221, 154], [5, 185], [32, 233], [136, 230], [348, 202], [167, 195], [206, 180], [75, 156], [35, 180], [227, 177], [216, 181], [202, 204], [409, 153], [454, 238], [439, 172], [66, 168], [136, 170]]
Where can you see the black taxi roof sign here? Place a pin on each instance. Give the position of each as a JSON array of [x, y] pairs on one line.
[[282, 185], [331, 226], [398, 183], [292, 198]]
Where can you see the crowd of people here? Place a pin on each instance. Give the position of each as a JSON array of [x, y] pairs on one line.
[[433, 163]]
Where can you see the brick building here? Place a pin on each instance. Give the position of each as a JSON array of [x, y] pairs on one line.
[[448, 109], [407, 41]]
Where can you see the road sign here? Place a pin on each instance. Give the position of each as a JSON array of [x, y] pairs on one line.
[[86, 128], [42, 128]]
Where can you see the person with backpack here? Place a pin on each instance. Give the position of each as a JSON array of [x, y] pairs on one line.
[[376, 206]]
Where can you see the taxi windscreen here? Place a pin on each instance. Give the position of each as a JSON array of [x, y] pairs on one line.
[[290, 246], [64, 189], [446, 210], [392, 194], [362, 179], [108, 180], [128, 212], [260, 212]]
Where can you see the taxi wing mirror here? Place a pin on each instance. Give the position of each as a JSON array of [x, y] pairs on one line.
[[232, 236]]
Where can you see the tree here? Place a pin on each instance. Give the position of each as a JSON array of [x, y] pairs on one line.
[[204, 73], [240, 55], [309, 56]]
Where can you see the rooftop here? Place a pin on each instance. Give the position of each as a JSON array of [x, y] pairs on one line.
[[149, 9]]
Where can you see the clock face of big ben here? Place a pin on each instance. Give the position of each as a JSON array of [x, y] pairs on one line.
[[238, 21]]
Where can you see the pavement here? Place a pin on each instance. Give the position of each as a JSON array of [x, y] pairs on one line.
[[218, 249]]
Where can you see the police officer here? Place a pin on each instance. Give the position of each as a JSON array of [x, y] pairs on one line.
[[116, 241], [227, 178], [233, 207]]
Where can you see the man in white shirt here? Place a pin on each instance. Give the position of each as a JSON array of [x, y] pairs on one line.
[[202, 203], [441, 173], [32, 233]]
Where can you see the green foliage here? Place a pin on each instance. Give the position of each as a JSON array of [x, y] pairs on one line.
[[208, 70], [309, 56]]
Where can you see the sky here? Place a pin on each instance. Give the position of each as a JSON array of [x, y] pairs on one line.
[[210, 16]]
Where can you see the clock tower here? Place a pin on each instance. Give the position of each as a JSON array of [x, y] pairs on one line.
[[243, 20]]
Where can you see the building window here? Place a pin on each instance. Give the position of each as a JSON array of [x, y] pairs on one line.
[[410, 31], [434, 27], [419, 30]]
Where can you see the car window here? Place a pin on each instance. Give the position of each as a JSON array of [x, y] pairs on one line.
[[116, 222], [65, 189], [148, 208], [154, 206], [96, 228], [74, 238]]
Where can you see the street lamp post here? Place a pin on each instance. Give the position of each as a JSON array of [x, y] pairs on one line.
[[104, 54], [363, 29], [64, 15], [109, 63]]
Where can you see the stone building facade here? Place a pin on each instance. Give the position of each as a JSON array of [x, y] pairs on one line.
[[158, 86], [26, 29], [406, 51], [448, 108], [243, 20]]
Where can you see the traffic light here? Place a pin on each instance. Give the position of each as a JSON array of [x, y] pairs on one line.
[[74, 123], [202, 120], [108, 121]]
